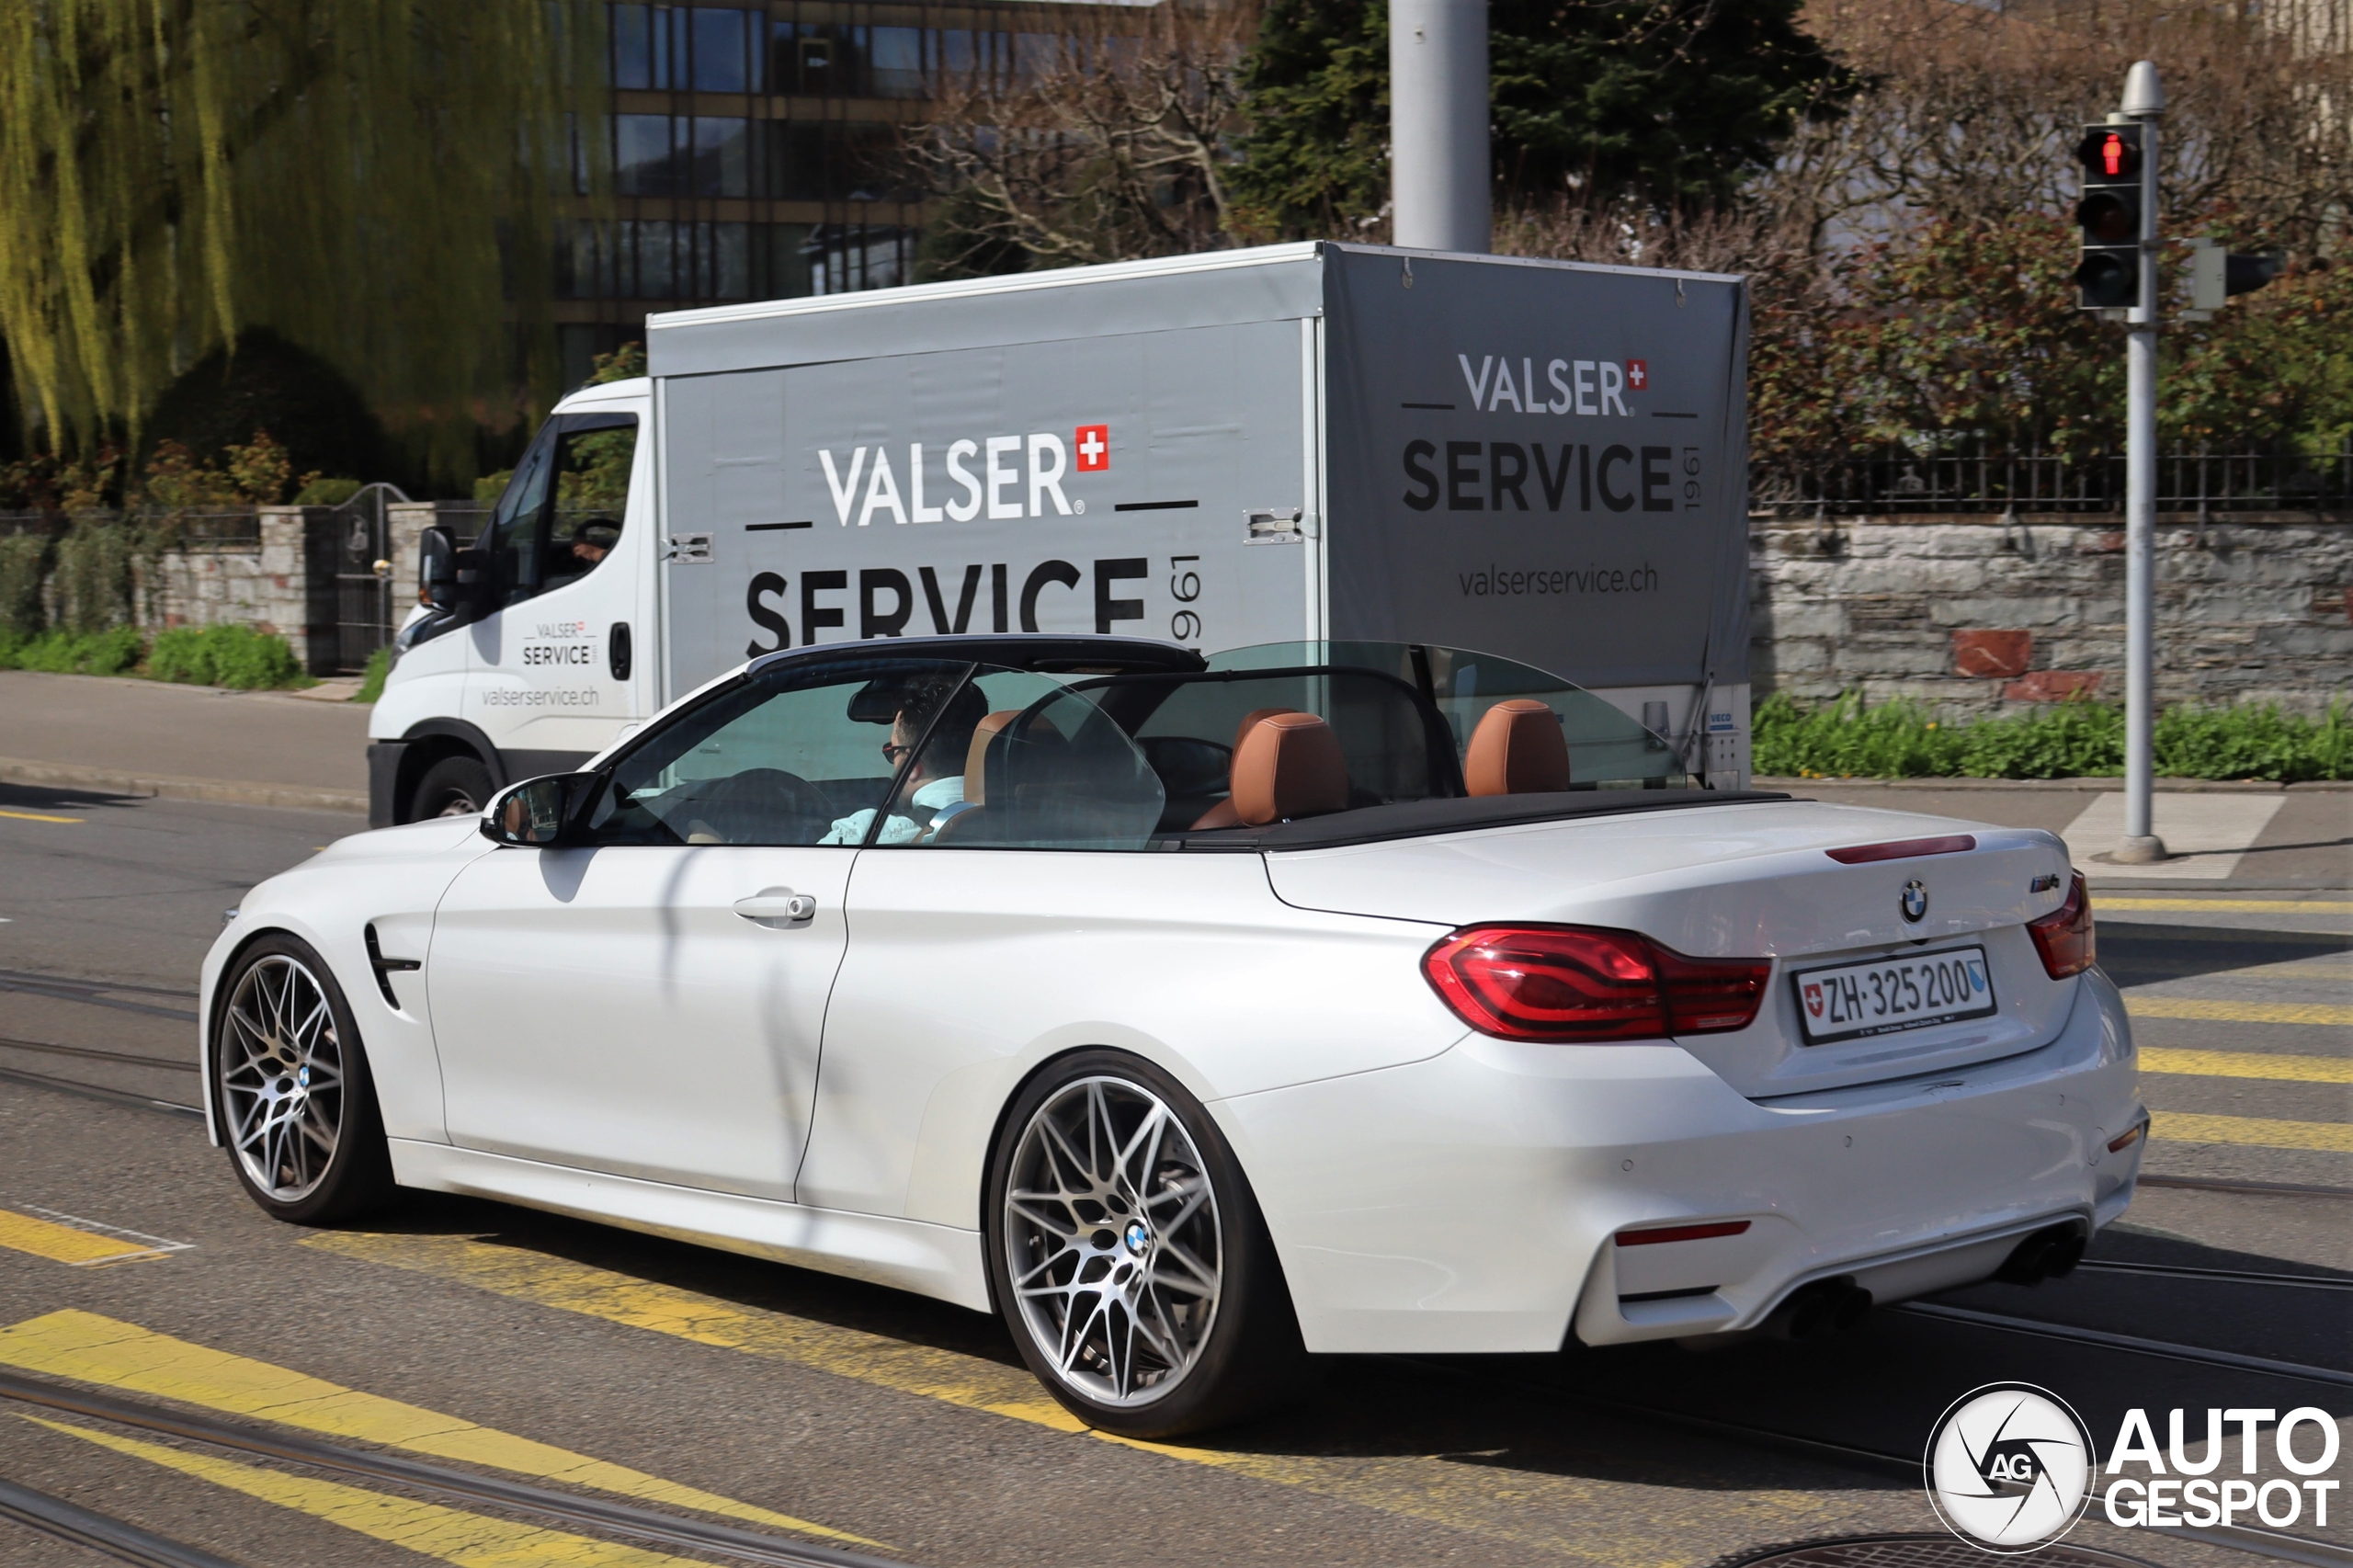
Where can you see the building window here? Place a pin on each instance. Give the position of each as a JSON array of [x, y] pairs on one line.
[[722, 157], [721, 62], [897, 62], [643, 163]]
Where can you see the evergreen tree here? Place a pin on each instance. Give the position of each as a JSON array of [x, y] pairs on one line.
[[1675, 103]]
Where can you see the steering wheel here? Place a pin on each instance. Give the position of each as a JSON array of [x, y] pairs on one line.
[[762, 805]]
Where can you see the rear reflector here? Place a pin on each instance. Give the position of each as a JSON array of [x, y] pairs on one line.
[[1681, 1233], [1589, 985], [2064, 936], [1904, 849]]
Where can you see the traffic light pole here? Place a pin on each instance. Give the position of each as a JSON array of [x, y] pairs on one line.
[[2143, 102]]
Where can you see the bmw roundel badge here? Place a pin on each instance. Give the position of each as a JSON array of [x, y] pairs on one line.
[[1914, 901]]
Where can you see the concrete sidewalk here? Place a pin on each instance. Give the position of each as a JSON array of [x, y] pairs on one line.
[[2230, 838], [143, 737]]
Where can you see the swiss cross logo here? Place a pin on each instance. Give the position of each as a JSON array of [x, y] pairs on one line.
[[1813, 998], [1638, 375], [1094, 448]]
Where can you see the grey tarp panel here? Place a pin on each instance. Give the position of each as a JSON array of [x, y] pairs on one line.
[[1593, 523]]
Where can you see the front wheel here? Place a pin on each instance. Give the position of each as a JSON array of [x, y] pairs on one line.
[[453, 787], [1127, 1253], [291, 1088]]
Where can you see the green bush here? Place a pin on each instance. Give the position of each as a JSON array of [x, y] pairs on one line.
[[371, 685], [1903, 739], [94, 575], [224, 655], [24, 557], [109, 652], [326, 492]]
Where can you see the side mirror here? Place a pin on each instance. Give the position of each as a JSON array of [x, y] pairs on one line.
[[447, 578], [539, 813]]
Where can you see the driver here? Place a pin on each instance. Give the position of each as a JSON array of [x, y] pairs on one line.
[[929, 788]]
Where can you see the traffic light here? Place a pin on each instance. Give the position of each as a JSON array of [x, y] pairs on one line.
[[2109, 276], [2215, 274]]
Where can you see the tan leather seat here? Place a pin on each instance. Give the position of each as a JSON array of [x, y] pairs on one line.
[[1289, 765], [977, 758], [1518, 749], [1222, 815]]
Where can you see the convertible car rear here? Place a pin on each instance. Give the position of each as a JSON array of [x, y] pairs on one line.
[[1198, 1014]]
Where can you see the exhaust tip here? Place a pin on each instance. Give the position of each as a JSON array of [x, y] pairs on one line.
[[1825, 1306], [2051, 1253]]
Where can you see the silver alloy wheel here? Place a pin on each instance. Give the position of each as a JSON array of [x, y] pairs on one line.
[[282, 1078], [459, 804], [1113, 1244]]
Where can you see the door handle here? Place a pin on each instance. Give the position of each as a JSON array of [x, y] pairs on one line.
[[778, 906]]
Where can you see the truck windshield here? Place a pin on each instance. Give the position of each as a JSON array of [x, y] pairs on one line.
[[1607, 750]]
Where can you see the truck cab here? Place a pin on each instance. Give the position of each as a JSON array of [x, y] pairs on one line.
[[534, 646]]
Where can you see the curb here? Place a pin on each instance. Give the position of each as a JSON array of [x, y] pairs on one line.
[[223, 791], [2099, 785]]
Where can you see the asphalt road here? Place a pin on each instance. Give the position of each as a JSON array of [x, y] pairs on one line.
[[715, 1388]]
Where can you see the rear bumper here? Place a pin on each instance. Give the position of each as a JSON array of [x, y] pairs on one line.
[[1469, 1202]]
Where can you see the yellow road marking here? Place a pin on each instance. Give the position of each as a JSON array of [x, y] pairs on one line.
[[1524, 1507], [2260, 1132], [2228, 905], [472, 1541], [36, 816], [2238, 1012], [89, 1348], [63, 1243], [2248, 1064]]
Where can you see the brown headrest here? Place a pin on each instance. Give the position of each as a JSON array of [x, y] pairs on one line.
[[1289, 765], [976, 754], [1518, 749]]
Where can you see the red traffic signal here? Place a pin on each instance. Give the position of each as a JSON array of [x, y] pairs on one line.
[[2111, 152], [2108, 274]]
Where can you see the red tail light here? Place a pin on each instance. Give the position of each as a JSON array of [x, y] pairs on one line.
[[2064, 937], [1578, 983]]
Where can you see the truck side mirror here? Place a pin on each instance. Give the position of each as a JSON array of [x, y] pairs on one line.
[[436, 569], [539, 813], [447, 578]]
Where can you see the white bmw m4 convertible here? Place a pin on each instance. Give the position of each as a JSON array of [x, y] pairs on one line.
[[1200, 1015]]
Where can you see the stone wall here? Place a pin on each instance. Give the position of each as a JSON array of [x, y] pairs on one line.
[[1977, 613], [282, 584]]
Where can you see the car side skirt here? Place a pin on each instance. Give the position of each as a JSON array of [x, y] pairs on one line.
[[938, 1261]]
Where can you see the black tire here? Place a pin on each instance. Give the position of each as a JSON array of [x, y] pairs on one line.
[[271, 1061], [1236, 1357], [453, 787]]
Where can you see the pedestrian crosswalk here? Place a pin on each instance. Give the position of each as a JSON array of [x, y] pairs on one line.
[[2245, 1034]]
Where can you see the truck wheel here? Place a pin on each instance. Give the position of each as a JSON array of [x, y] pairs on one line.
[[1128, 1257], [453, 787], [291, 1088]]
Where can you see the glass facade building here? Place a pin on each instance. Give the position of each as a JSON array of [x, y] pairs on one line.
[[750, 153]]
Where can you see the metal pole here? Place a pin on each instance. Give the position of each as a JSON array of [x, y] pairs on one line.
[[1438, 125], [2143, 101]]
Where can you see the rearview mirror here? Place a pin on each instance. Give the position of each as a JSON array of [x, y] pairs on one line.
[[538, 813]]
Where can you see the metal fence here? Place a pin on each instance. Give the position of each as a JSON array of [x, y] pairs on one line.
[[1901, 480], [236, 529]]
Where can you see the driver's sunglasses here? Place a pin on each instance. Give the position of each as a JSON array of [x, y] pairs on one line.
[[893, 751]]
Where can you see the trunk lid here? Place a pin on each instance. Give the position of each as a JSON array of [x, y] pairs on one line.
[[1746, 880]]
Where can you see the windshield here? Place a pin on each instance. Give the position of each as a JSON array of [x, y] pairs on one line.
[[1607, 750]]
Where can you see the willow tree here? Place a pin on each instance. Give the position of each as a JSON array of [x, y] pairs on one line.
[[377, 179]]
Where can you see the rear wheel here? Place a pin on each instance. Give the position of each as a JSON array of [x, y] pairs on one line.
[[1129, 1256], [453, 787], [290, 1086]]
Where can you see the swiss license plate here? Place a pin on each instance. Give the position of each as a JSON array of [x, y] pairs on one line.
[[1854, 1001]]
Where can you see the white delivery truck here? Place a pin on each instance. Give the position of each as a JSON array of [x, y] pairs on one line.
[[1542, 460]]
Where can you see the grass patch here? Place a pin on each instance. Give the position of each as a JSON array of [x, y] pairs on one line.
[[110, 653], [227, 655], [371, 683], [1904, 739]]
